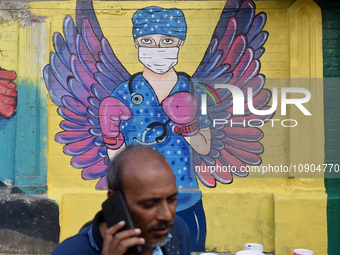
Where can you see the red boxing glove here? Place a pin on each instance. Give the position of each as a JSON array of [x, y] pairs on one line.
[[8, 93], [182, 109], [111, 112]]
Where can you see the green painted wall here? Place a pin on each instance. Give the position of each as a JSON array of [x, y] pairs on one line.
[[331, 69]]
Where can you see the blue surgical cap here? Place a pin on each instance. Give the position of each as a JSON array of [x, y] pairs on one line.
[[156, 20]]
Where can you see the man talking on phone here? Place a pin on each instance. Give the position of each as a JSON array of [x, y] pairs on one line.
[[148, 184]]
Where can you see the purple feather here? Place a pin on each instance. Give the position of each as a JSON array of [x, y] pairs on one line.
[[227, 40], [212, 63], [113, 59], [96, 132], [102, 152], [90, 39], [229, 160], [94, 122], [253, 147], [218, 134], [246, 134], [71, 137], [55, 89], [223, 79], [256, 84], [102, 68], [214, 153], [80, 74], [251, 72], [85, 10], [59, 69], [223, 93], [86, 159], [94, 102], [79, 147], [256, 120], [93, 111], [217, 144], [118, 77], [259, 52], [217, 73], [257, 25], [230, 10], [75, 106], [61, 49], [71, 126], [86, 58], [245, 17], [247, 157], [107, 160], [99, 92], [260, 101], [259, 40], [208, 160], [197, 158], [70, 33], [236, 52], [243, 65], [95, 171], [102, 184], [78, 91], [68, 115], [208, 54], [205, 177], [98, 141], [106, 83], [220, 115]]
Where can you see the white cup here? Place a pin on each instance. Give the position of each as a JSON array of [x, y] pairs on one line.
[[302, 252], [253, 246], [249, 252]]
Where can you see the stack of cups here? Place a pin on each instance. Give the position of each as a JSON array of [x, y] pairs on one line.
[[302, 252], [251, 249], [249, 252]]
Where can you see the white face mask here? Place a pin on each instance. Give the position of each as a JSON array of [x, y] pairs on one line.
[[158, 60]]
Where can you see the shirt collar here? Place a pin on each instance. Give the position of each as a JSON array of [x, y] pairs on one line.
[[95, 237], [97, 240]]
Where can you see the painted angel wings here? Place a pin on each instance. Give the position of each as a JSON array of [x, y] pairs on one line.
[[84, 70], [233, 58]]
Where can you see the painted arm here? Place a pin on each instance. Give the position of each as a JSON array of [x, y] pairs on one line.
[[201, 142]]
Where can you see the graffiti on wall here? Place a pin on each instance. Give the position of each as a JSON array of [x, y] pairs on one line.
[[8, 93], [105, 108]]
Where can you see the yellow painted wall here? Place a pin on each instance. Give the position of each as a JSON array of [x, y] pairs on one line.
[[280, 213]]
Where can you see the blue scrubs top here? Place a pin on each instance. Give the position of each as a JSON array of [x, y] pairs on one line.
[[173, 147]]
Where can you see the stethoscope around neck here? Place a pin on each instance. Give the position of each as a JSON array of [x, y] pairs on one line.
[[137, 99]]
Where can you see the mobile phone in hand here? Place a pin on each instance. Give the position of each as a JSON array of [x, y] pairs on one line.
[[115, 210]]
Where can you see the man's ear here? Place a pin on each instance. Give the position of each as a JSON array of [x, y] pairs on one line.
[[136, 44], [110, 192]]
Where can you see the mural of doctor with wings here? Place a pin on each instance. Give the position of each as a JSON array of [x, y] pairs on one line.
[[105, 108]]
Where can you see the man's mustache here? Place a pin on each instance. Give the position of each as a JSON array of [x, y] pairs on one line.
[[160, 226]]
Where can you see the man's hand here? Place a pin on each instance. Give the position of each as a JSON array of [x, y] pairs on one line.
[[118, 243]]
